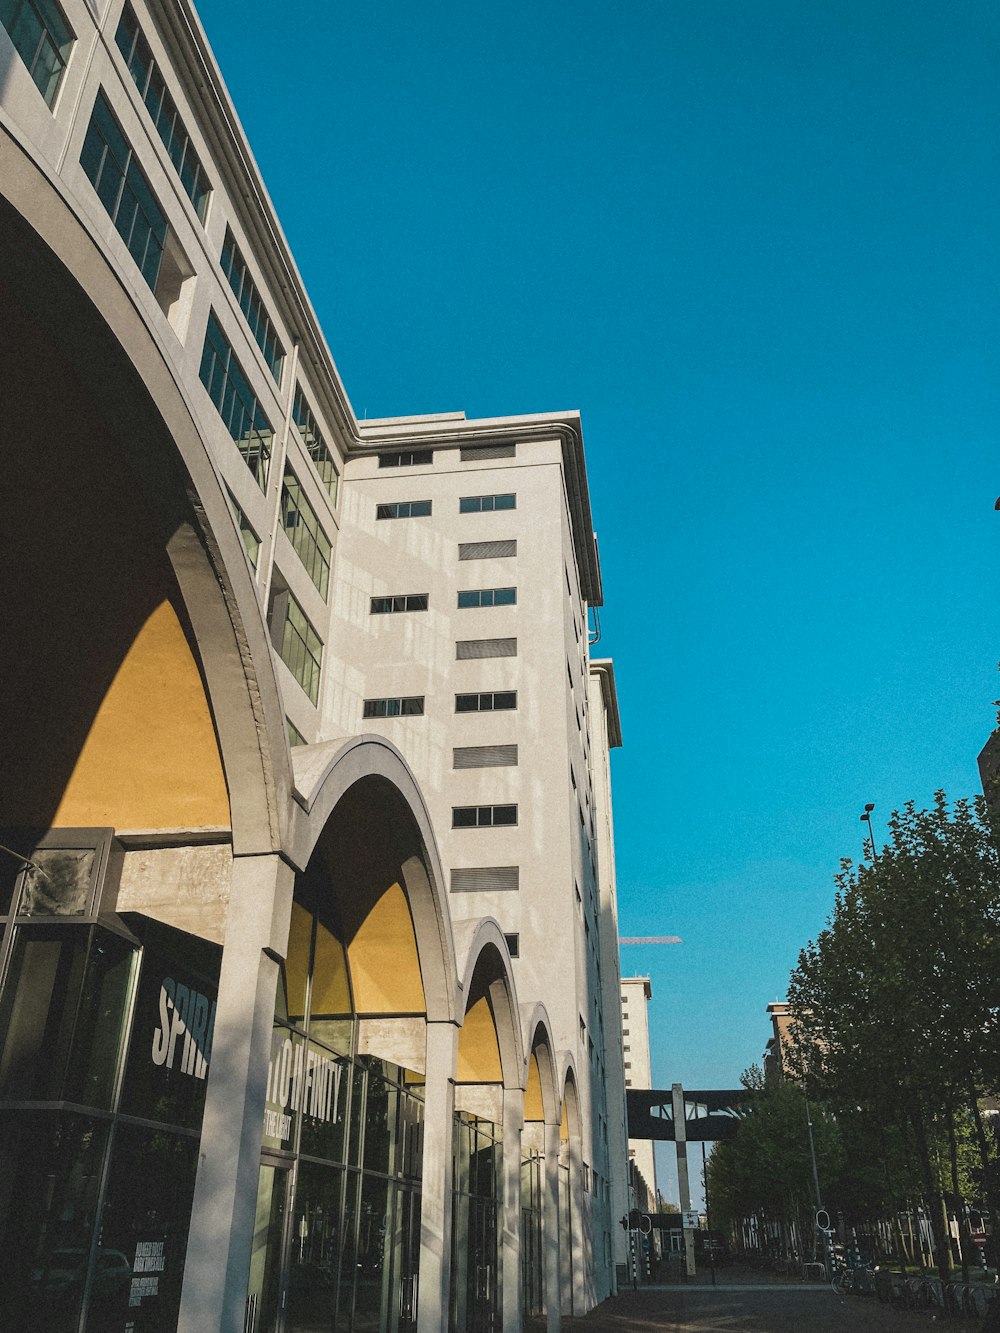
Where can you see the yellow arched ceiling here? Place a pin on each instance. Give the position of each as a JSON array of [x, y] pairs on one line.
[[383, 960], [297, 960], [533, 1109], [564, 1124], [478, 1048], [150, 759], [331, 992]]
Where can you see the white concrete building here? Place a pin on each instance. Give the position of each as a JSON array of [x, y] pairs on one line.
[[466, 567], [355, 1061], [636, 993]]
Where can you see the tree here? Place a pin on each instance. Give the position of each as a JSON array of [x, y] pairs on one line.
[[897, 1002], [766, 1170]]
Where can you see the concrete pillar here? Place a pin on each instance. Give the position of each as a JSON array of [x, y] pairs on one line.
[[436, 1181], [225, 1193], [510, 1248], [550, 1228], [582, 1258], [683, 1180], [567, 1238]]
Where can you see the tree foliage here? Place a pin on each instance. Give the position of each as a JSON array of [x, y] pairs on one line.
[[766, 1170], [896, 1004]]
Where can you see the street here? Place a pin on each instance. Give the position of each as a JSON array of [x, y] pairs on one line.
[[750, 1307]]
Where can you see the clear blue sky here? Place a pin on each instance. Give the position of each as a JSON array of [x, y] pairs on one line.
[[755, 242]]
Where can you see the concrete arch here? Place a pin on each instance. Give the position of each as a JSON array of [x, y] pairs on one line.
[[486, 971], [324, 775], [540, 1051], [571, 1116], [52, 262]]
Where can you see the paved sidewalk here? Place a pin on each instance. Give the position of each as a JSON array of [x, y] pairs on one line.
[[750, 1307]]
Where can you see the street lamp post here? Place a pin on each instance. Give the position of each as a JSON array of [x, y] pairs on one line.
[[866, 818]]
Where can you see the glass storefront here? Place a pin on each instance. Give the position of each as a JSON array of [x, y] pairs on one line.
[[532, 1167], [105, 1040], [337, 1239], [475, 1258]]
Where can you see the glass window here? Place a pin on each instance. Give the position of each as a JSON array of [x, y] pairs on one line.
[[481, 504], [244, 289], [250, 539], [487, 597], [236, 401], [324, 1110], [404, 509], [380, 1124], [63, 1014], [483, 816], [316, 1244], [411, 707], [163, 111], [123, 189], [145, 1220], [42, 38], [372, 1260], [411, 601], [406, 458], [58, 882], [301, 649], [303, 530], [171, 1044], [286, 1082], [316, 446], [50, 1169], [488, 702]]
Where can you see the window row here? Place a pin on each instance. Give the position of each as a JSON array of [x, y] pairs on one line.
[[483, 816], [303, 529], [419, 601], [469, 504], [163, 111], [245, 290], [123, 188], [404, 509], [298, 644], [413, 706], [233, 396], [42, 38], [473, 453]]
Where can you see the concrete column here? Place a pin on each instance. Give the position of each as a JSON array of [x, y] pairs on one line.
[[683, 1180], [550, 1228], [510, 1248], [436, 1179], [225, 1193], [581, 1222]]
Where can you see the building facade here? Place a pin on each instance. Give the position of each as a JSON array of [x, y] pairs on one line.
[[636, 993], [305, 1008]]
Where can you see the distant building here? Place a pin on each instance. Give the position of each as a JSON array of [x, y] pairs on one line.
[[636, 993], [775, 1051]]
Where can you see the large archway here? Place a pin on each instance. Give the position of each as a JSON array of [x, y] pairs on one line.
[[338, 1233], [142, 745]]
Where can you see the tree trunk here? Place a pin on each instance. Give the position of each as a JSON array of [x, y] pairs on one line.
[[960, 1213], [992, 1199], [936, 1209]]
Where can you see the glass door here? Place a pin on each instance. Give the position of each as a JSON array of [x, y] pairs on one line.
[[266, 1294]]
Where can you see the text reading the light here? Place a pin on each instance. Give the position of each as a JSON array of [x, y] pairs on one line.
[[188, 1013]]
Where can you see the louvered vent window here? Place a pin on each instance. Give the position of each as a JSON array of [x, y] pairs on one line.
[[474, 452], [484, 756], [486, 879], [486, 550], [467, 649]]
